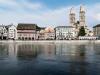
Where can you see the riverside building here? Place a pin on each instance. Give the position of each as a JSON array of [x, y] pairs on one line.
[[96, 30], [47, 33], [65, 32], [42, 34], [3, 32], [11, 32], [27, 31]]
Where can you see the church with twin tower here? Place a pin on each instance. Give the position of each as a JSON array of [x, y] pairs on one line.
[[77, 24]]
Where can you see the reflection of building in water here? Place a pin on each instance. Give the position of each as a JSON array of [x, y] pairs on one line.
[[97, 49], [71, 52], [14, 50], [81, 50], [78, 57], [48, 50], [8, 50], [79, 53], [63, 49], [27, 51], [12, 47], [4, 51]]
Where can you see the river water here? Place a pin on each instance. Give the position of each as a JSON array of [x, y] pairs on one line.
[[49, 59]]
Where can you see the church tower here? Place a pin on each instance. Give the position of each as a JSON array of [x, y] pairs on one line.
[[72, 17], [82, 17]]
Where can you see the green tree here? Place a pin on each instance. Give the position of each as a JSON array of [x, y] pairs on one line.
[[81, 31]]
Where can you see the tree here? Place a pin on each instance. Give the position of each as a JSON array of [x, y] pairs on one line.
[[81, 31]]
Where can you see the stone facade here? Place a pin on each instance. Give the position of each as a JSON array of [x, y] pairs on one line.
[[81, 22]]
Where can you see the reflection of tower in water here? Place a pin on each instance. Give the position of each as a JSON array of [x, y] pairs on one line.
[[77, 65], [79, 53]]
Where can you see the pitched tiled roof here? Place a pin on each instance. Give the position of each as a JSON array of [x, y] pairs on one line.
[[23, 26]]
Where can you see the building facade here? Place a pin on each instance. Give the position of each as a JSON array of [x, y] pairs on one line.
[[42, 34], [27, 31], [65, 32], [47, 33], [12, 32], [88, 38], [96, 30], [3, 32]]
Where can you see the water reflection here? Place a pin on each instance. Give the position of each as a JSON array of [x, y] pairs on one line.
[[3, 51], [27, 51], [49, 58]]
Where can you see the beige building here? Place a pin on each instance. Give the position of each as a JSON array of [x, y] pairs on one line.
[[47, 33], [42, 34], [50, 33]]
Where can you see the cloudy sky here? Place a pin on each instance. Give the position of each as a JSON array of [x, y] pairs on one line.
[[47, 12]]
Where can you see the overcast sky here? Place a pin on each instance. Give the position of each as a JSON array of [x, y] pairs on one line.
[[47, 12]]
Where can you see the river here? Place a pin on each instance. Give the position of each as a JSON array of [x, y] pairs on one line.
[[49, 59]]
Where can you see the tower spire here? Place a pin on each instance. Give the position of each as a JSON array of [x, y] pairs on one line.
[[72, 10], [82, 16], [82, 9], [72, 16]]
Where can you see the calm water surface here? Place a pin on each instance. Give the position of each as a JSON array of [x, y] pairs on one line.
[[49, 59]]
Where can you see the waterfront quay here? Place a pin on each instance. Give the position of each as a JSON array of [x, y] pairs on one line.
[[50, 41]]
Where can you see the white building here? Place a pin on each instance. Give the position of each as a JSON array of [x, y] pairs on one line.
[[65, 32], [12, 32], [88, 38], [3, 32]]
